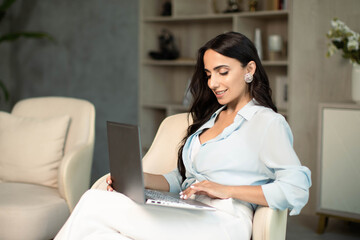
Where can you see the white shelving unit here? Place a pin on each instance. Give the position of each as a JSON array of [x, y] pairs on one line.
[[338, 163], [163, 82]]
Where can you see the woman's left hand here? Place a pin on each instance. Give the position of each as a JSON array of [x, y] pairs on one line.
[[211, 189]]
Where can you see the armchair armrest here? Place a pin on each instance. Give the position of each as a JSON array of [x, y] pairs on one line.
[[269, 224], [74, 174]]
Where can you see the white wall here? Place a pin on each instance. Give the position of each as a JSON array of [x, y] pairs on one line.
[[315, 78]]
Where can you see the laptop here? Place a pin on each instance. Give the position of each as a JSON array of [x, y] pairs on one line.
[[127, 174]]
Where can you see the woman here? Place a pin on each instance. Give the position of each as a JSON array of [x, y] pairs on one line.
[[236, 155]]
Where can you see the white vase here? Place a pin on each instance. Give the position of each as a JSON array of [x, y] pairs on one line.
[[355, 83]]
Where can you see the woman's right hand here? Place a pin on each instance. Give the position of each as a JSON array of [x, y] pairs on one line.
[[109, 182]]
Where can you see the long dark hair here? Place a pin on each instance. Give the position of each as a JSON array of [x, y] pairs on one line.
[[234, 45]]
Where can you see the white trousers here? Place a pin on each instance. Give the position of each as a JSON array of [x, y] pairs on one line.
[[111, 215]]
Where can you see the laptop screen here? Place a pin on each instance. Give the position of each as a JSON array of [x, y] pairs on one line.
[[125, 160]]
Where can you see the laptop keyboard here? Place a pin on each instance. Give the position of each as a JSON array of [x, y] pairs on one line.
[[158, 198], [153, 195]]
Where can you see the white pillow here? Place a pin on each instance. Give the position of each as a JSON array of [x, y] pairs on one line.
[[31, 149]]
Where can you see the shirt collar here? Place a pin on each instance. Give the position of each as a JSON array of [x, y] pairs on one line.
[[215, 114], [247, 112]]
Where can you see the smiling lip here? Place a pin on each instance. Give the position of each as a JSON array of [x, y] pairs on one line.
[[220, 93]]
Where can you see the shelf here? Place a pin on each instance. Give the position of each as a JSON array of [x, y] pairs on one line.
[[177, 62], [283, 112], [162, 83], [192, 62], [188, 18], [279, 63], [219, 16], [273, 14]]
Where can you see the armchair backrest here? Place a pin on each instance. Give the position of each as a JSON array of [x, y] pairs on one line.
[[75, 167], [163, 153], [268, 224], [81, 112]]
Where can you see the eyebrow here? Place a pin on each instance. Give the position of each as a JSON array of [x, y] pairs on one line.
[[216, 68]]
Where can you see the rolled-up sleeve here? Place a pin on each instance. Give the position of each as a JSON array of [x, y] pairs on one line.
[[290, 183], [174, 179]]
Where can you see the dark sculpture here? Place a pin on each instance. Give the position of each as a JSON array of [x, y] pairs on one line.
[[166, 11], [168, 49]]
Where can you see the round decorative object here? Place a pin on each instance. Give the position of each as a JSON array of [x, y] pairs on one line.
[[248, 77], [275, 45], [355, 84]]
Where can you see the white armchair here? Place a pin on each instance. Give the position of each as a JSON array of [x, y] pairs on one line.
[[46, 151], [268, 224]]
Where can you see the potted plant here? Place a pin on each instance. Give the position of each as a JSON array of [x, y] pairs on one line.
[[344, 39], [10, 37]]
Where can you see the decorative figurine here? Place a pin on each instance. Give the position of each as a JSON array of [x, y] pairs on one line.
[[253, 4], [233, 6], [166, 11], [168, 49]]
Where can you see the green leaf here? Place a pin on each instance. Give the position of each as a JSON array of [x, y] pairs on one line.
[[14, 36], [339, 45], [6, 4], [4, 90], [2, 15], [346, 55]]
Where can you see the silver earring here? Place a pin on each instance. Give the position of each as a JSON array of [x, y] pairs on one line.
[[248, 77]]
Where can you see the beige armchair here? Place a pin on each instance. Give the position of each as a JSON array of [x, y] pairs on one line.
[[268, 224], [46, 151]]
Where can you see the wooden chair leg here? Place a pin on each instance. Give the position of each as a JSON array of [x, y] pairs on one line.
[[323, 221]]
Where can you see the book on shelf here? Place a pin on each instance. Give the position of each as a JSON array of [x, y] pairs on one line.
[[276, 4]]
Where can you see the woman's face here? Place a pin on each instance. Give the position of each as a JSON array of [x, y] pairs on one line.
[[226, 79]]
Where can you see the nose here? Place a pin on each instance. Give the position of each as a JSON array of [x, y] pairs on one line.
[[213, 82]]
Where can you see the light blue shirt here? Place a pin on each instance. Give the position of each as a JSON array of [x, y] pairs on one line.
[[256, 149]]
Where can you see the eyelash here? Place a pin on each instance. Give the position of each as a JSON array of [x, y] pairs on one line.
[[222, 74]]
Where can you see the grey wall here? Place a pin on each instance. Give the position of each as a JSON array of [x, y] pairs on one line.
[[95, 58], [314, 77]]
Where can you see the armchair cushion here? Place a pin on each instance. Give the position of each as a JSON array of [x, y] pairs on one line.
[[31, 149], [30, 211]]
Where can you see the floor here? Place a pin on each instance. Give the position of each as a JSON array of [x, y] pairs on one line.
[[304, 227]]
